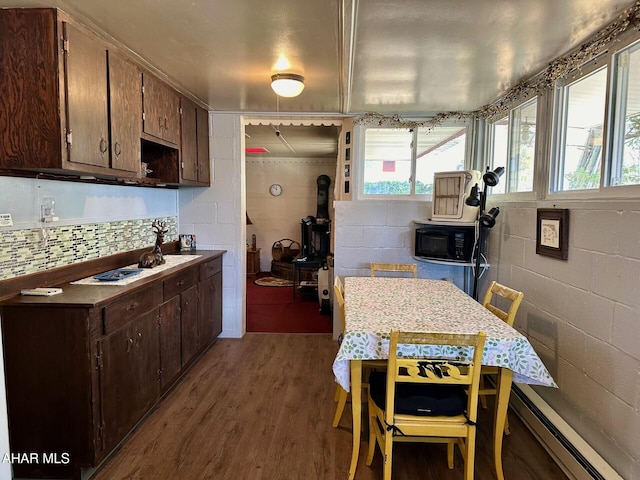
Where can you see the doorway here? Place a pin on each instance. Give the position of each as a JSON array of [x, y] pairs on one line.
[[282, 164]]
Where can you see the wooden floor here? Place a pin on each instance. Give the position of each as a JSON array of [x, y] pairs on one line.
[[260, 408]]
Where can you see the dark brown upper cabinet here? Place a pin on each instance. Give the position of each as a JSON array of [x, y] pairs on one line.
[[204, 171], [72, 102], [161, 111], [125, 82], [54, 98], [194, 150], [85, 65]]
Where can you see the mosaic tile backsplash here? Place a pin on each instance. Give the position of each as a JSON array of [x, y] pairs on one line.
[[27, 251]]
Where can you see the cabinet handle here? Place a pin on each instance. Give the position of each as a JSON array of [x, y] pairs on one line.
[[103, 145], [179, 283], [129, 344], [132, 306], [116, 149], [139, 334], [160, 122], [165, 123]]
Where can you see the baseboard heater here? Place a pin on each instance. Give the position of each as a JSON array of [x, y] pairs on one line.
[[571, 452]]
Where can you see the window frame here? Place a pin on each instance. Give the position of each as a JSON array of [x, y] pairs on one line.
[[541, 126], [558, 135], [604, 190], [360, 130], [612, 143]]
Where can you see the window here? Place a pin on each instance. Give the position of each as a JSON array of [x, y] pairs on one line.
[[513, 140], [625, 141], [395, 156], [387, 162], [580, 113], [441, 149]]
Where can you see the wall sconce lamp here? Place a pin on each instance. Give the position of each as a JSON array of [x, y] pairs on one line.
[[486, 220], [287, 84]]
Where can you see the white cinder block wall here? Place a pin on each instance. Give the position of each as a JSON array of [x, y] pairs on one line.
[[583, 317], [216, 215]]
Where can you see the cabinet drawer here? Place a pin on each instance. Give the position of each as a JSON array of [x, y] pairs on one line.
[[179, 282], [131, 306], [210, 268]]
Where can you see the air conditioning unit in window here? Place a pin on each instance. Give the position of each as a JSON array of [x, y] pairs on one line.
[[450, 189]]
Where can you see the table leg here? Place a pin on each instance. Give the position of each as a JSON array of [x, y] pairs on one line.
[[503, 387], [356, 413]]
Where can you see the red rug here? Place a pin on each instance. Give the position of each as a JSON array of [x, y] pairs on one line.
[[274, 310]]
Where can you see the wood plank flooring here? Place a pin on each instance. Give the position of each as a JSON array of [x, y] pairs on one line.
[[260, 408]]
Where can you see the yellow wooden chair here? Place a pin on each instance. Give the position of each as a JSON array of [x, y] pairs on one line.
[[501, 294], [394, 267], [341, 394], [426, 399]]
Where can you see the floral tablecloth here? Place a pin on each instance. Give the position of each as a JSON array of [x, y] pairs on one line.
[[376, 305]]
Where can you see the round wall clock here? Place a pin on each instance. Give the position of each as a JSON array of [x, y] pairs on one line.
[[275, 189]]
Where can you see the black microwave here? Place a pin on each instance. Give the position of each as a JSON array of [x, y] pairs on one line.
[[446, 241]]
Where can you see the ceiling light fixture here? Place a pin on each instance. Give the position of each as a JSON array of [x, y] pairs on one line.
[[287, 84]]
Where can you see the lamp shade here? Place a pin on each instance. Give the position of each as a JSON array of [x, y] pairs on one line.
[[488, 220], [287, 84], [492, 178], [473, 200]]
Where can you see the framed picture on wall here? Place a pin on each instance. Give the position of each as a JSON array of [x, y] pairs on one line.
[[552, 232]]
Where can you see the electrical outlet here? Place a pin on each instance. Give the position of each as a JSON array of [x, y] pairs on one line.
[[5, 220]]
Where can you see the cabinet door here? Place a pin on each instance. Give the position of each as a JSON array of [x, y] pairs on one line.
[[206, 304], [204, 173], [30, 123], [129, 376], [170, 345], [161, 107], [217, 305], [86, 92], [209, 310], [125, 110], [189, 317], [152, 101], [189, 143], [172, 115]]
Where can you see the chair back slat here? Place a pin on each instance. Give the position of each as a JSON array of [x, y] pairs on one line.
[[394, 267], [422, 369], [508, 295]]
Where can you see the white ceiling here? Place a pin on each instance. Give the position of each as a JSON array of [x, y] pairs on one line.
[[410, 57]]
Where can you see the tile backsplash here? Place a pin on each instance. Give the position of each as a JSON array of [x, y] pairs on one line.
[[28, 251]]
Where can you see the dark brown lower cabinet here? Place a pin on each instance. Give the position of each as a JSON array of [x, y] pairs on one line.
[[209, 315], [170, 344], [189, 319], [128, 375], [84, 367]]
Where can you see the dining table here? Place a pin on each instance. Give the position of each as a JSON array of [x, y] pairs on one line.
[[374, 306]]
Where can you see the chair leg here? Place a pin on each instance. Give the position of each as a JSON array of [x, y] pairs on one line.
[[372, 437], [342, 401], [336, 395], [388, 450], [470, 455], [506, 425], [450, 446]]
